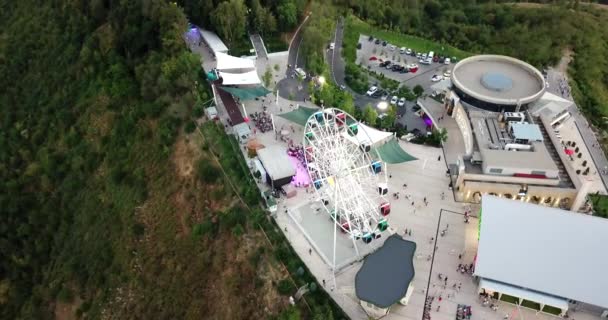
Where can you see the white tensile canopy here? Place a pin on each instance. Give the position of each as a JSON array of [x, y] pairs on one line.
[[250, 77], [366, 133], [228, 62]]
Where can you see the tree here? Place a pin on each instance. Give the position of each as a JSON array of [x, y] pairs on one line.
[[267, 77], [348, 104], [264, 21], [229, 19], [288, 15], [370, 114], [389, 119], [418, 90]]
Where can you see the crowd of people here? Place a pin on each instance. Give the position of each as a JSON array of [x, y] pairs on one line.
[[262, 121], [297, 152]]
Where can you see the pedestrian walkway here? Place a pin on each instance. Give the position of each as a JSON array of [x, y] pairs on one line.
[[259, 46]]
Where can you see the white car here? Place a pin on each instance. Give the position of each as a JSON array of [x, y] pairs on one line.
[[408, 51], [436, 78], [371, 91], [425, 61], [423, 56], [300, 72], [332, 46], [446, 61], [394, 100], [393, 47], [402, 50], [447, 74], [401, 102]]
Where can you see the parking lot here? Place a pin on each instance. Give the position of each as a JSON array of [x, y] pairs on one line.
[[378, 53]]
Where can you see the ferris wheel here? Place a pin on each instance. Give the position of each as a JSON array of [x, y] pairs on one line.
[[347, 173]]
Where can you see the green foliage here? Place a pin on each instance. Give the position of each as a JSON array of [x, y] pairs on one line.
[[207, 172], [285, 287], [418, 90], [204, 228], [600, 205], [370, 114], [198, 112], [288, 15], [267, 77], [229, 20], [190, 126]]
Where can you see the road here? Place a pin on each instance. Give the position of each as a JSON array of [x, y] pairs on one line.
[[289, 87]]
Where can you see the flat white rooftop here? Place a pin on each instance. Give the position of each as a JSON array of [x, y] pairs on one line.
[[544, 249]]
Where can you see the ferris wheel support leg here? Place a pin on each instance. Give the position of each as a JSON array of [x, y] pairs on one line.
[[355, 245], [333, 266]]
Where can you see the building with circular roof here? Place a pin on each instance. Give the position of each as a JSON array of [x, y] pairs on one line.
[[497, 83]]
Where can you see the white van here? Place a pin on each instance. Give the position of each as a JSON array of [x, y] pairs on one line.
[[431, 55]]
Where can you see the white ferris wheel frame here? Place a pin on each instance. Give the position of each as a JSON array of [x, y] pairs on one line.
[[349, 186]]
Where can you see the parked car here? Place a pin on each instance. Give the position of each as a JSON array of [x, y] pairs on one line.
[[418, 55], [377, 41], [389, 65], [401, 102], [371, 38], [423, 56], [394, 100], [392, 47], [413, 67], [436, 78], [447, 74], [397, 67], [426, 61], [373, 58], [441, 59], [416, 108], [332, 45], [413, 53], [402, 50], [371, 91], [342, 87], [447, 61], [384, 63], [384, 43], [359, 45], [384, 96], [435, 59], [300, 72], [377, 94], [408, 51], [405, 70]]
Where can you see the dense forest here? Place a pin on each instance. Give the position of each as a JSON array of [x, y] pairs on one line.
[[112, 204]]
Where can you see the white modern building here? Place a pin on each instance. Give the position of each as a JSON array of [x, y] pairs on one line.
[[508, 121], [543, 258]]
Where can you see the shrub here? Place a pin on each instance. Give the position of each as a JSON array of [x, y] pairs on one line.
[[190, 127], [285, 287], [206, 171]]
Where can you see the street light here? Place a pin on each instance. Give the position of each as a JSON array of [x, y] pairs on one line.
[[382, 105]]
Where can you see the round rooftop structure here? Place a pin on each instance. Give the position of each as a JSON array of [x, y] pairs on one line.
[[497, 83]]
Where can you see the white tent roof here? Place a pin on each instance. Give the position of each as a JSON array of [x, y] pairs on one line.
[[228, 62], [250, 77], [523, 293], [548, 250], [242, 129], [276, 162], [213, 41], [366, 133]]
